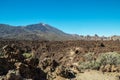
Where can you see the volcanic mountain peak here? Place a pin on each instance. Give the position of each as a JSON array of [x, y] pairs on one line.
[[34, 27], [43, 24], [33, 32]]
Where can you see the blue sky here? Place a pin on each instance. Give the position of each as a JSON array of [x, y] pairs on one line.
[[82, 17]]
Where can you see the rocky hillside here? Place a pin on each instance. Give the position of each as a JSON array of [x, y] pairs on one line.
[[33, 32]]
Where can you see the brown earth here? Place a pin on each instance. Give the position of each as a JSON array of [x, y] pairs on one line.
[[97, 75]]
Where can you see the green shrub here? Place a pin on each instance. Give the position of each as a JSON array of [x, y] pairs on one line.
[[89, 56], [89, 65], [27, 55], [112, 58]]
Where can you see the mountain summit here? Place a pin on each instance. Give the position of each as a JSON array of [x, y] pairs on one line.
[[39, 31]]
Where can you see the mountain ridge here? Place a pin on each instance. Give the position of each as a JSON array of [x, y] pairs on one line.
[[43, 31], [38, 31]]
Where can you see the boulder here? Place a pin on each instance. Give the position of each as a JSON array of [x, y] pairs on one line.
[[2, 78], [105, 68], [67, 73], [30, 72], [113, 68], [11, 75]]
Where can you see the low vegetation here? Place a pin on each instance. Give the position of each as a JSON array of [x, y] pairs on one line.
[[27, 55], [111, 58]]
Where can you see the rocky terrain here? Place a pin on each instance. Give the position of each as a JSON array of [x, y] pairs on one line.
[[58, 60]]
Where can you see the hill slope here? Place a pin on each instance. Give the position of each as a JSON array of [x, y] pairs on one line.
[[33, 32]]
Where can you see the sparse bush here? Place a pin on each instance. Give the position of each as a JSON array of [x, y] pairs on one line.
[[112, 58], [84, 65], [89, 65], [89, 56]]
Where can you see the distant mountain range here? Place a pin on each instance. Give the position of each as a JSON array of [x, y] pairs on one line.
[[34, 32], [44, 32]]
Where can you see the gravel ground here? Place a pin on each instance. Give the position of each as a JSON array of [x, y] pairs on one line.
[[97, 75]]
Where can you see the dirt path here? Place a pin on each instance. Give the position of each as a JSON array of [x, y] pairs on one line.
[[97, 75]]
